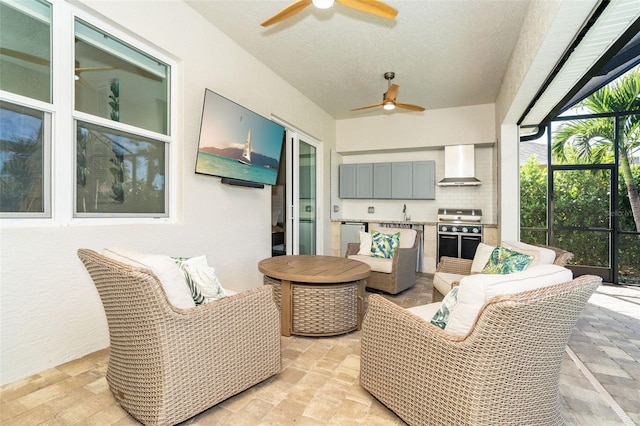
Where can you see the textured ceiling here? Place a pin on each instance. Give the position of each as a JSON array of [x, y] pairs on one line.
[[444, 53]]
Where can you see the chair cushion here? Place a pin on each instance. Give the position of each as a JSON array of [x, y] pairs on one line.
[[171, 279], [377, 264], [407, 236], [443, 281], [541, 255], [480, 259], [506, 261], [384, 245], [201, 279], [476, 290]]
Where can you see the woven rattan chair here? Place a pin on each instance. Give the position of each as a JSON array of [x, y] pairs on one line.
[[505, 371], [455, 265], [167, 364], [403, 271]]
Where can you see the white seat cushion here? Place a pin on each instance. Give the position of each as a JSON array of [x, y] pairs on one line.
[[443, 281], [541, 255], [476, 290], [163, 267], [426, 312], [377, 264]]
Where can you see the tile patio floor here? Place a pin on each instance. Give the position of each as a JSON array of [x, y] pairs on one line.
[[600, 379]]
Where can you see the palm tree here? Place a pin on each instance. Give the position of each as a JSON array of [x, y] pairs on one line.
[[591, 140]]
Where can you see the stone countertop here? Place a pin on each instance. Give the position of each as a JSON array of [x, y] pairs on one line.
[[410, 222], [397, 222]]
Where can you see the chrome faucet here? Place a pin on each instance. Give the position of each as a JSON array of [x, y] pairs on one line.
[[404, 212]]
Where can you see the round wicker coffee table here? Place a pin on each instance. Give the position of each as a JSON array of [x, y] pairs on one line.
[[316, 295]]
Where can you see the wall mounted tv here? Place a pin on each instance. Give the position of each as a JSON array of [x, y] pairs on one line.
[[236, 144]]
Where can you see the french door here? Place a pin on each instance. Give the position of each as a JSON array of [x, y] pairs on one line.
[[303, 164]]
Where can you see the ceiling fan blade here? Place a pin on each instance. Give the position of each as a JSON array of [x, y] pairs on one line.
[[374, 7], [287, 12], [368, 106], [24, 56], [391, 93], [409, 106], [79, 70]]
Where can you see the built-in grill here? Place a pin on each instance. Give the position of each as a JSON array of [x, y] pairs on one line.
[[459, 232]]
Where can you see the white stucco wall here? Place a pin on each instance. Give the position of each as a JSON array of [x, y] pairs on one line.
[[49, 309]]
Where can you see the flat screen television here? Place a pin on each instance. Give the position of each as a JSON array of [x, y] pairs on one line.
[[236, 143]]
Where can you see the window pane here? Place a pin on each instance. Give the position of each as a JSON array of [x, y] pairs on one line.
[[582, 198], [629, 174], [589, 248], [25, 48], [117, 81], [118, 173], [584, 141], [629, 259], [22, 176]]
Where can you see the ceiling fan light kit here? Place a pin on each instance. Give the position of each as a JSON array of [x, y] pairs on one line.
[[323, 4], [374, 7], [389, 101]]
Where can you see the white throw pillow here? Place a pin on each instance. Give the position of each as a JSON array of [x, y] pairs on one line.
[[480, 259], [541, 255], [201, 279], [365, 243], [476, 290], [163, 267]]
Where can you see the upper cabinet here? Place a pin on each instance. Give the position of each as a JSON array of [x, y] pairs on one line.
[[382, 180], [399, 180], [424, 180]]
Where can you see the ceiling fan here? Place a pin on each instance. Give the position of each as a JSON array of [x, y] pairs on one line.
[[374, 7], [389, 98]]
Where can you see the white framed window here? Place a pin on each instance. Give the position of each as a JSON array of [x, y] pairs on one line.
[[104, 103]]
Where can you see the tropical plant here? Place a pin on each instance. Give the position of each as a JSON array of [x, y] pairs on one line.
[[591, 140]]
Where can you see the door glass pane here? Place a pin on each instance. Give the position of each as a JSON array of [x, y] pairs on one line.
[[307, 196], [533, 191], [581, 214], [22, 159], [118, 173], [25, 48], [628, 213], [117, 81]]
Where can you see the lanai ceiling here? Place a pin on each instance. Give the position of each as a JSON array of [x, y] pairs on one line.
[[445, 53]]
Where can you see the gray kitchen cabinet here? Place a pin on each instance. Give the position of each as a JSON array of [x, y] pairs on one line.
[[364, 180], [401, 180], [424, 180], [382, 180], [347, 181], [406, 180]]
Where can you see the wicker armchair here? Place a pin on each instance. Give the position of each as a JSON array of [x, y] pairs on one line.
[[167, 364], [403, 271], [454, 265], [505, 371]]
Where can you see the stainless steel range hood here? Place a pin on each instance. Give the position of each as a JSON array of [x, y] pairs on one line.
[[459, 166]]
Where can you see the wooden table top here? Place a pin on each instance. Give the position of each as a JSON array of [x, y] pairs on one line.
[[314, 269]]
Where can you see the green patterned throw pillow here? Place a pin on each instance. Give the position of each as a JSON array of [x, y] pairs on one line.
[[441, 317], [384, 245], [505, 261]]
